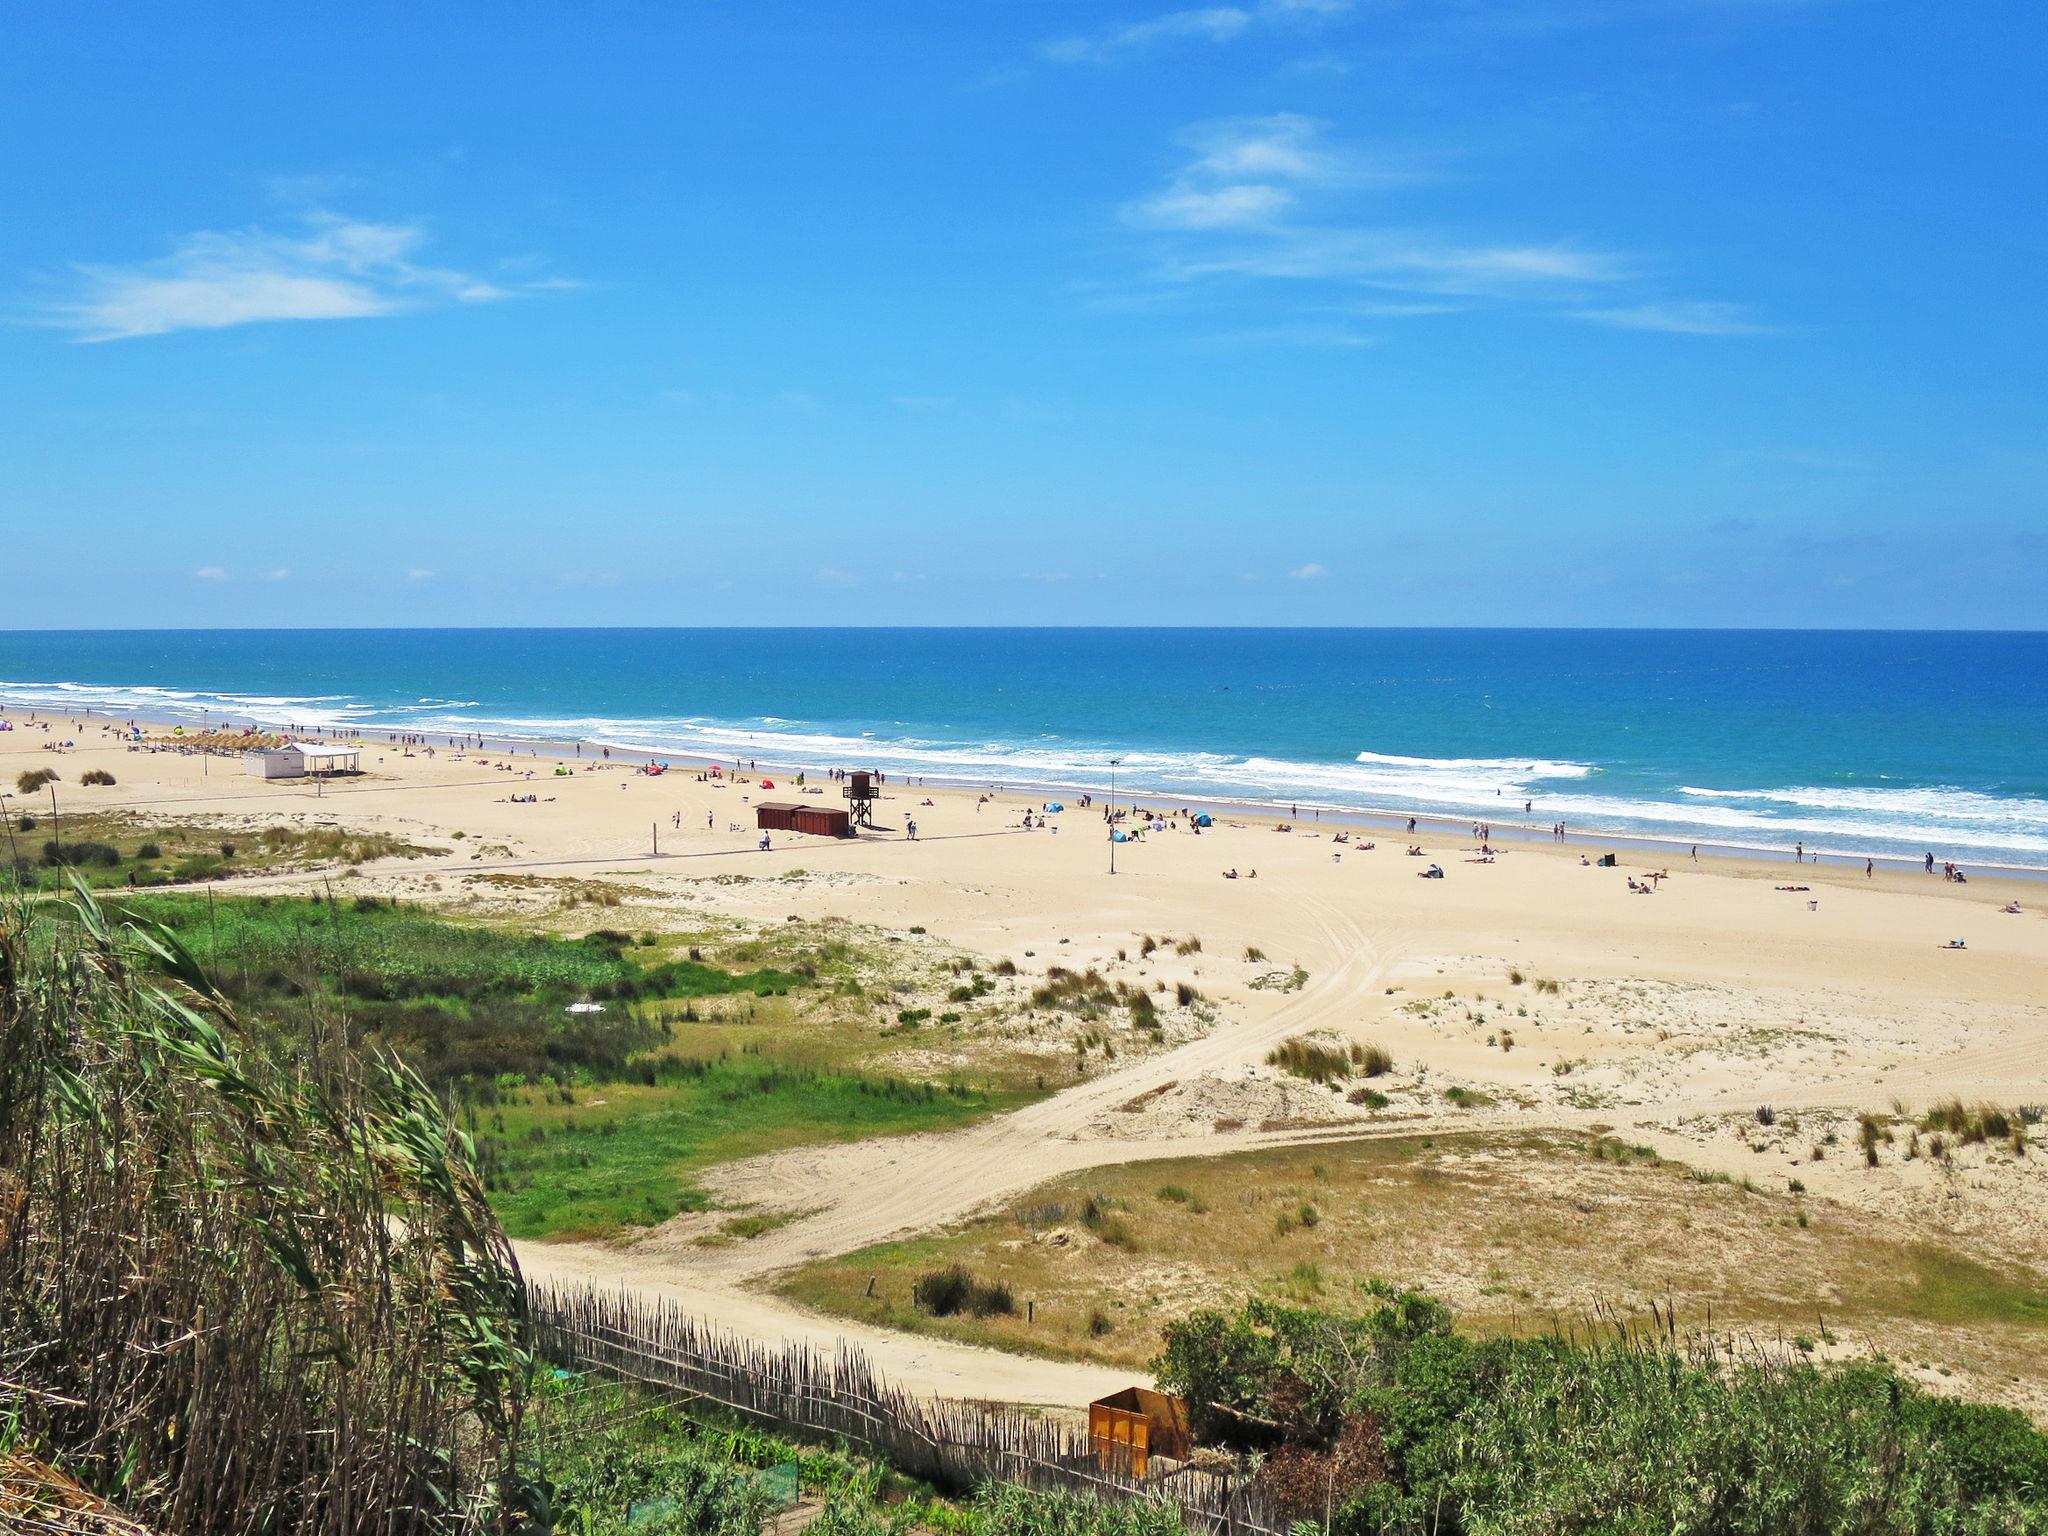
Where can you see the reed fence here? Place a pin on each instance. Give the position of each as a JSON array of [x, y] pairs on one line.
[[953, 1444]]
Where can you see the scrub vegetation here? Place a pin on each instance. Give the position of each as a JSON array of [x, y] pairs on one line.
[[1380, 1417], [43, 852], [598, 1073], [1513, 1230]]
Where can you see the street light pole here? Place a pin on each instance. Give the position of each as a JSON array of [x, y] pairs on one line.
[[1112, 813]]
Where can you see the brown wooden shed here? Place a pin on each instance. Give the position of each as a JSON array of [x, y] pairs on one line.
[[776, 816], [1128, 1428], [822, 821]]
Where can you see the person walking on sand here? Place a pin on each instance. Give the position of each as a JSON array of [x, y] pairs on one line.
[[1799, 853], [1869, 868]]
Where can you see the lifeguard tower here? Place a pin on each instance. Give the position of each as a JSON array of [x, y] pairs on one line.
[[862, 789]]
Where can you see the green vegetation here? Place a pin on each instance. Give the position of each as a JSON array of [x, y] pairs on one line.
[[1388, 1420], [612, 1461], [624, 1154], [584, 1121], [108, 849], [471, 1007]]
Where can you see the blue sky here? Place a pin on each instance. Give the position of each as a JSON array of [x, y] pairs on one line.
[[1268, 311]]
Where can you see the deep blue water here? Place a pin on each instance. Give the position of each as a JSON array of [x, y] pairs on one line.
[[1862, 741]]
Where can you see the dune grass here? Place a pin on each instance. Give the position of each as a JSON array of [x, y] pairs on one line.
[[110, 850], [1513, 1230]]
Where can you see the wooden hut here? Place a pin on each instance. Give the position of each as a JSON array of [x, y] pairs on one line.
[[822, 821], [1126, 1429], [817, 820]]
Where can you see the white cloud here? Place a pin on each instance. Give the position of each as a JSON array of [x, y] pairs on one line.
[[1215, 24], [1213, 207], [1693, 318], [329, 268], [1309, 572], [1405, 259], [1202, 24], [834, 576], [211, 573], [418, 573], [1284, 145], [280, 574]]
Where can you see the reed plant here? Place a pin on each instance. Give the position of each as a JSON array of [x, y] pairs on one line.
[[242, 1287]]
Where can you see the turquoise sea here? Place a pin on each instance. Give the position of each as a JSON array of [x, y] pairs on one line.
[[1853, 742]]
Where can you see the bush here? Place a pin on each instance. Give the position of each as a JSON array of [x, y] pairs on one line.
[[27, 823], [34, 779], [1304, 1058], [149, 851], [1372, 1060], [953, 1290], [96, 776], [82, 855], [1546, 1435]]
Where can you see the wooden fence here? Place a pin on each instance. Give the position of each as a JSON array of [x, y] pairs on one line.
[[952, 1444]]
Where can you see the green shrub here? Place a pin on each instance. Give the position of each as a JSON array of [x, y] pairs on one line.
[[96, 776], [953, 1290], [34, 779], [83, 854]]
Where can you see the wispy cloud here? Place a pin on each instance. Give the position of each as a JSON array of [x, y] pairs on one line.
[[1309, 572], [1248, 172], [211, 573], [280, 574], [1201, 24], [326, 268], [1279, 201], [418, 573], [1406, 259], [1232, 207], [1694, 318]]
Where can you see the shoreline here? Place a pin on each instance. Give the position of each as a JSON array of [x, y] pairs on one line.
[[1342, 818]]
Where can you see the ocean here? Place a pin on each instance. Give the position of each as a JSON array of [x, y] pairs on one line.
[[1886, 743]]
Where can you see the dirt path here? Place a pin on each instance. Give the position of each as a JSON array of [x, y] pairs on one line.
[[862, 1193]]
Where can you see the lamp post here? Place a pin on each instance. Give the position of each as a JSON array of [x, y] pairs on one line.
[[1112, 813]]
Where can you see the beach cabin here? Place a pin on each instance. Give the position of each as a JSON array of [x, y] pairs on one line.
[[817, 820], [300, 759], [1128, 1428]]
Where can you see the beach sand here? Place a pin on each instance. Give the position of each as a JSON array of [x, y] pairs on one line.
[[1673, 1016]]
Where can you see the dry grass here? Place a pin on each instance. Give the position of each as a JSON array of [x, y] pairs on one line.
[[1512, 1230]]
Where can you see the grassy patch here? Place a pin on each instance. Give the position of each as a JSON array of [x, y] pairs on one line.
[[1515, 1230], [110, 850], [626, 1154]]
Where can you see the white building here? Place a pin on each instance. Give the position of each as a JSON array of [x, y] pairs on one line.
[[297, 759]]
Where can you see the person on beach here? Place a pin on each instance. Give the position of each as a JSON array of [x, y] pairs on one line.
[[1799, 853], [1869, 868]]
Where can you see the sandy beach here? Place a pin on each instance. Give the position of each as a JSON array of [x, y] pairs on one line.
[[1670, 1018]]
